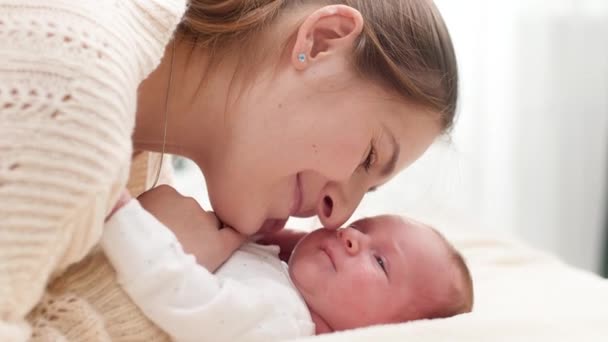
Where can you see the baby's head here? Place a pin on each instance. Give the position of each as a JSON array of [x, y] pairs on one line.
[[380, 270]]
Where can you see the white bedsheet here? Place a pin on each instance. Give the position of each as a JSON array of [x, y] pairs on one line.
[[520, 295]]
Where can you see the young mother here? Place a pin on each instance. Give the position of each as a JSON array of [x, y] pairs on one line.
[[290, 108]]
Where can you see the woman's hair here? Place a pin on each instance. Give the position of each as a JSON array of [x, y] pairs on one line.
[[405, 44]]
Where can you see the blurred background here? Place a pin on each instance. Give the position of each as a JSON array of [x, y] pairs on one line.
[[529, 153]]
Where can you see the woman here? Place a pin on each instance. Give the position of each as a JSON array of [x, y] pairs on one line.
[[290, 108]]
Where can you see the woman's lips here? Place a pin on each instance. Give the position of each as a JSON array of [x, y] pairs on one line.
[[297, 197]]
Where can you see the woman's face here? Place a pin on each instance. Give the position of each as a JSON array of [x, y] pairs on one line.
[[309, 136], [312, 142]]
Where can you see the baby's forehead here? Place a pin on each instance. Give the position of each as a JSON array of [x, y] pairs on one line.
[[417, 241], [396, 225], [381, 221]]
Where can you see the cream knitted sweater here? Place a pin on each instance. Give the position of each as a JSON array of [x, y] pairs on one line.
[[86, 302], [69, 72]]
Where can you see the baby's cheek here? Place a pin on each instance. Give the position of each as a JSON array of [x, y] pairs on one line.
[[361, 295], [364, 283], [363, 278]]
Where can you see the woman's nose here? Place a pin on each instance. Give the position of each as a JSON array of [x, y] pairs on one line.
[[351, 239], [336, 206]]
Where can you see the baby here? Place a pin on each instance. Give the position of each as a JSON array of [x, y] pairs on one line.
[[379, 270]]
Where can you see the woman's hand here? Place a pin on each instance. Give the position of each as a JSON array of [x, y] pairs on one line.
[[199, 232]]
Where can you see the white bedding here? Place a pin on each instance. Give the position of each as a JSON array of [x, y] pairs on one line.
[[520, 295]]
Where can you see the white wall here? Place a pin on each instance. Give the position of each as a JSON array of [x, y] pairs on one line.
[[533, 130]]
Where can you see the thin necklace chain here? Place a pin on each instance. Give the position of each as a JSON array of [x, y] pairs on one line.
[[162, 156]]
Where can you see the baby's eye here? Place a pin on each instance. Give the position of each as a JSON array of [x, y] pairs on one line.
[[380, 262]]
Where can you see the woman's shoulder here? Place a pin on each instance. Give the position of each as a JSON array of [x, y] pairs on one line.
[[123, 38]]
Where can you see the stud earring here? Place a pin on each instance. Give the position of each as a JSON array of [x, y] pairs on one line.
[[302, 57]]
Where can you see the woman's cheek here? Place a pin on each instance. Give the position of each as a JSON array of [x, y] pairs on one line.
[[338, 162]]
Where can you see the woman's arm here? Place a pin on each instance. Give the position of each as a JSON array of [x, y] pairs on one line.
[[64, 158], [68, 88]]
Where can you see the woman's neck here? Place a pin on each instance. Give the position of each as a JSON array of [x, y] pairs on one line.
[[195, 112]]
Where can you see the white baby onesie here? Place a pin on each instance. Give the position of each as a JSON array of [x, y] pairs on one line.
[[250, 298]]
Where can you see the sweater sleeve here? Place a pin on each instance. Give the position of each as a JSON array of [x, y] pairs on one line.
[[172, 290], [69, 72], [64, 157]]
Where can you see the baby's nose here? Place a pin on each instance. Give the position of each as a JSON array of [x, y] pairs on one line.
[[348, 236]]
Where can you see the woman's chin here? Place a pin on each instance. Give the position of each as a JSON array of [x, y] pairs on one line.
[[272, 226]]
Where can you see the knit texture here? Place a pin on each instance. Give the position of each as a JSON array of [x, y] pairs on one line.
[[69, 72], [85, 303]]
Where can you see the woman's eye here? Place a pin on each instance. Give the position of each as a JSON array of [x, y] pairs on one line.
[[370, 159], [380, 262]]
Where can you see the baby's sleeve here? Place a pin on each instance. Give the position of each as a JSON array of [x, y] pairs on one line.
[[184, 299]]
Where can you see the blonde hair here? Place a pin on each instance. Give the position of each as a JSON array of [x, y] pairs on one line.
[[404, 45]]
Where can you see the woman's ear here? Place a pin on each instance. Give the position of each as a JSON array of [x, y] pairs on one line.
[[327, 31]]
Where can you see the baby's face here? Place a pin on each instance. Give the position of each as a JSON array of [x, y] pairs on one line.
[[375, 271]]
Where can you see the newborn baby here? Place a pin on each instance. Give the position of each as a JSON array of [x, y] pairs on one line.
[[379, 270]]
